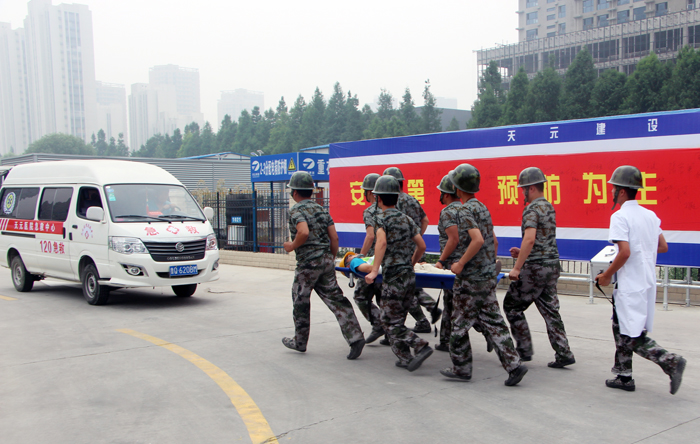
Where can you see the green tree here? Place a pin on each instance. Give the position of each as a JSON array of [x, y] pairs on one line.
[[191, 142], [453, 126], [312, 123], [645, 86], [354, 124], [263, 127], [542, 103], [296, 115], [578, 86], [58, 143], [150, 148], [380, 128], [245, 133], [487, 111], [226, 136], [492, 77], [430, 114], [122, 149], [516, 99], [208, 140], [385, 105], [488, 108], [609, 93], [683, 88], [408, 113], [112, 148], [335, 116], [101, 147]]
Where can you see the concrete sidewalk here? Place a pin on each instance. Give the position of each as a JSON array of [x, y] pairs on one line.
[[68, 375]]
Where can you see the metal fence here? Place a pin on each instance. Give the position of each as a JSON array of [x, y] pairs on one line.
[[252, 220]]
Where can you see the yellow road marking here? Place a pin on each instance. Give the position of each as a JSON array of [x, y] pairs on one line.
[[7, 298], [258, 428]]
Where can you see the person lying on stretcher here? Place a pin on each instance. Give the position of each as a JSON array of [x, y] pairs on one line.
[[357, 263]]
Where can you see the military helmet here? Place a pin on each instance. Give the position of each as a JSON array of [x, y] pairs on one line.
[[531, 176], [446, 185], [387, 185], [393, 171], [466, 178], [627, 176], [369, 181], [301, 180]]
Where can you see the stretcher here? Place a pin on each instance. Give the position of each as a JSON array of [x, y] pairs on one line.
[[423, 280]]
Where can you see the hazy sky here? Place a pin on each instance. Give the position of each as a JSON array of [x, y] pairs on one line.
[[285, 48]]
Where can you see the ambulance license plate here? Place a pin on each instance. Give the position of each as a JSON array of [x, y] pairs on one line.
[[183, 270]]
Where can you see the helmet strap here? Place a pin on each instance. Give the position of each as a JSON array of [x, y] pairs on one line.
[[442, 196], [526, 193], [616, 193]]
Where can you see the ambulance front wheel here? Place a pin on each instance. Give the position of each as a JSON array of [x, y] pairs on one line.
[[22, 280], [184, 291], [94, 292]]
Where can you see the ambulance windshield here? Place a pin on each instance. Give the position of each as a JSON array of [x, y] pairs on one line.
[[151, 203]]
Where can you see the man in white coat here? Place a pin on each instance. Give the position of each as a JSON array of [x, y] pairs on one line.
[[637, 233]]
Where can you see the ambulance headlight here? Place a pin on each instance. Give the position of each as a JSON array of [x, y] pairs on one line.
[[211, 242], [126, 245]]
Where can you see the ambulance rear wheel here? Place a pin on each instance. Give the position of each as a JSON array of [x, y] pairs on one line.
[[94, 292], [184, 291], [22, 280]]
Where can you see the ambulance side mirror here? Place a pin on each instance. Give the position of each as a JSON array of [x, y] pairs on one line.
[[95, 213], [209, 213]]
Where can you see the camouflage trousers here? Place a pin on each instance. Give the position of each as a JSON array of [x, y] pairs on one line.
[[420, 298], [475, 301], [363, 298], [446, 323], [397, 293], [320, 276], [538, 284], [644, 346]]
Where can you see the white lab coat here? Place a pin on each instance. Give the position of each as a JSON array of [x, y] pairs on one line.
[[635, 297]]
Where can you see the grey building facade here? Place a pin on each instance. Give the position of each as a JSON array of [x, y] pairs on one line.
[[617, 33]]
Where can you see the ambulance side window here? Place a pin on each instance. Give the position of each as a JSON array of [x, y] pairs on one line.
[[19, 203], [55, 203], [88, 197]]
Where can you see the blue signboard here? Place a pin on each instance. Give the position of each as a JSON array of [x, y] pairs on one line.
[[280, 167], [314, 164]]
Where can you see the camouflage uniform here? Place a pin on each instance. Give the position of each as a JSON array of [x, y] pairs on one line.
[[399, 281], [448, 217], [645, 347], [474, 298], [538, 284], [364, 292], [316, 271], [409, 206]]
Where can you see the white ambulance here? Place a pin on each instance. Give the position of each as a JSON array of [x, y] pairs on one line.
[[106, 224]]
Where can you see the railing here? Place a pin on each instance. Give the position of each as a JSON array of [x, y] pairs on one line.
[[251, 220], [667, 278]]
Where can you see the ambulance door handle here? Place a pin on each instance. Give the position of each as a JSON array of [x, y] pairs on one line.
[[70, 236], [64, 232], [75, 227]]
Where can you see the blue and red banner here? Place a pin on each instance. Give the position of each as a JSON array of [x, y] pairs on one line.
[[578, 158]]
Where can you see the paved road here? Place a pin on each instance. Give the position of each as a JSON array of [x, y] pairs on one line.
[[153, 368]]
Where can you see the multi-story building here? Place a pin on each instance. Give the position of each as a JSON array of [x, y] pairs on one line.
[[111, 109], [50, 65], [234, 102], [617, 33], [15, 125], [61, 59], [170, 100]]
